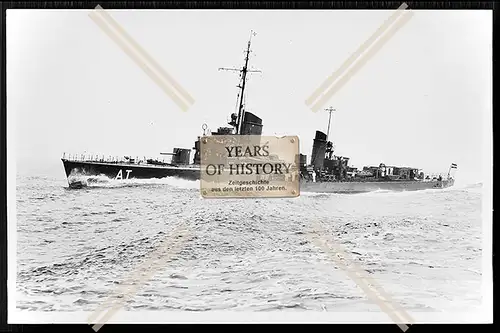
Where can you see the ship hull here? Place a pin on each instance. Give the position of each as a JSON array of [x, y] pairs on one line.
[[363, 187], [76, 170], [79, 173]]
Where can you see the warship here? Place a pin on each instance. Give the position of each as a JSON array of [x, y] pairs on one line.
[[325, 172]]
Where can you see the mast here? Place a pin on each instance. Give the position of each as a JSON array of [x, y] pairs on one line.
[[329, 110], [244, 71], [241, 111]]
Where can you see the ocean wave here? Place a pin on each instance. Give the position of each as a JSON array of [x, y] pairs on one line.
[[76, 248], [106, 182]]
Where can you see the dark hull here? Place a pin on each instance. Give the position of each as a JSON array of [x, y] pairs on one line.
[[76, 170], [363, 187]]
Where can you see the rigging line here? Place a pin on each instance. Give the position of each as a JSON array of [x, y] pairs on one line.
[[236, 104], [238, 96]]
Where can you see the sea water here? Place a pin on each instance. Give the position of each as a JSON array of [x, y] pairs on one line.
[[75, 246]]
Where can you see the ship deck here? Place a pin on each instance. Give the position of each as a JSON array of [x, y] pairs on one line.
[[129, 164]]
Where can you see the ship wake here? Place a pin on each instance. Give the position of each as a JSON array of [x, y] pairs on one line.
[[102, 181]]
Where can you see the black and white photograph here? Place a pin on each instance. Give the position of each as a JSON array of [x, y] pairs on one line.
[[387, 217]]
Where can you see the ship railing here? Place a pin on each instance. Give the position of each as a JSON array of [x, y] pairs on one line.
[[99, 158], [435, 176]]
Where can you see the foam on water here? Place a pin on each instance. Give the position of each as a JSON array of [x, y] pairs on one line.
[[75, 246], [171, 181], [104, 181]]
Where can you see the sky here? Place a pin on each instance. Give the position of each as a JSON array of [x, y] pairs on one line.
[[424, 100]]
